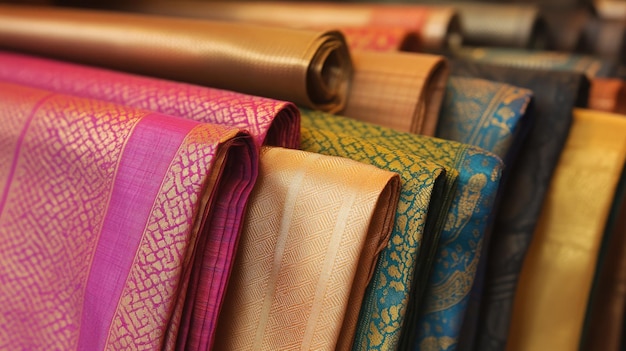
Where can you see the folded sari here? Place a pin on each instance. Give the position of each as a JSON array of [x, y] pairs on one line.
[[497, 118], [435, 27], [125, 200], [504, 25], [486, 114], [426, 194], [556, 279], [610, 9], [389, 313], [606, 39], [525, 191], [310, 219], [608, 94], [604, 321], [401, 91], [269, 122], [310, 68], [566, 28], [547, 60]]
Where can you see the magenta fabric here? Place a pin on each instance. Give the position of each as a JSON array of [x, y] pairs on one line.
[[270, 122], [104, 208]]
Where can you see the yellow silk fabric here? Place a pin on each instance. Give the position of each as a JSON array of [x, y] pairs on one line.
[[558, 271], [310, 220]]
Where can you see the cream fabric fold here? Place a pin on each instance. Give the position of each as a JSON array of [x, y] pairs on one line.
[[401, 91], [558, 271], [308, 226]]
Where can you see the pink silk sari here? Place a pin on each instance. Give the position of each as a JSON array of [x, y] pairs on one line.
[[270, 122], [103, 209]]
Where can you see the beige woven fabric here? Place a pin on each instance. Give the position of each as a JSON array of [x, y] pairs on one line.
[[397, 90], [309, 223]]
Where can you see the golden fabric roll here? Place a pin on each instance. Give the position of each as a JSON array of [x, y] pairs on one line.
[[311, 223], [310, 68], [556, 278], [398, 90], [436, 27]]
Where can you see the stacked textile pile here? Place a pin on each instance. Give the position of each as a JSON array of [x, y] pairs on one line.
[[319, 176]]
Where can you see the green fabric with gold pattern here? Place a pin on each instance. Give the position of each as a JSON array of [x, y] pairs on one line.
[[393, 298]]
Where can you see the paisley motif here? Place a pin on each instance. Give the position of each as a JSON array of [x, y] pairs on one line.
[[461, 237]]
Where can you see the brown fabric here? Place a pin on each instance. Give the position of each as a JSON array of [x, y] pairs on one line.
[[555, 283], [608, 94], [611, 9], [313, 231], [566, 28], [310, 68], [436, 27], [514, 26], [401, 91], [606, 39], [609, 303], [381, 38]]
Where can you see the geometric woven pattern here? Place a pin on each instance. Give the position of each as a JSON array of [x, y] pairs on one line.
[[458, 252], [305, 230], [100, 209]]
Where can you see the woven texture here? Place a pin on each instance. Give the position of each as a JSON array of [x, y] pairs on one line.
[[558, 271], [310, 68], [387, 310], [544, 60], [307, 226], [525, 191], [483, 113], [430, 25], [270, 122], [120, 233], [426, 194], [398, 90], [495, 117]]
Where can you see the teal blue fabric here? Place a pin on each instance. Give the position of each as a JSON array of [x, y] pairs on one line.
[[492, 116], [458, 251]]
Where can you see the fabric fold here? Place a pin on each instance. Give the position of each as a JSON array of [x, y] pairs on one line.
[[436, 27], [309, 68], [398, 90], [391, 321], [426, 194], [605, 312], [496, 117], [269, 122], [503, 25], [123, 198], [533, 59], [530, 175], [608, 95], [555, 282], [304, 241]]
